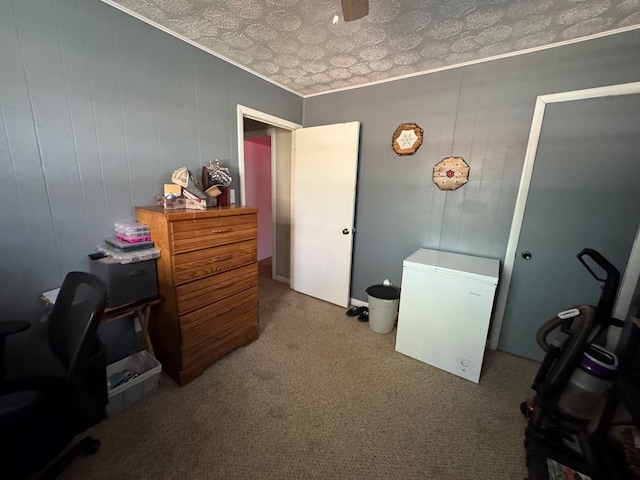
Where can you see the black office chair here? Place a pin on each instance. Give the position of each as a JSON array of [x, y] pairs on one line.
[[53, 382]]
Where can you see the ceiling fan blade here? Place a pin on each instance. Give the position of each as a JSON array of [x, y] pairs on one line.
[[354, 9]]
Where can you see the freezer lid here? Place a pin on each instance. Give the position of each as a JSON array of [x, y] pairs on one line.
[[467, 266]]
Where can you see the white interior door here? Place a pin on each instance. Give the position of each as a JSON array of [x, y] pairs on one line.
[[323, 188]]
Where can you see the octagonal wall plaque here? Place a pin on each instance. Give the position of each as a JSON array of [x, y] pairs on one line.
[[451, 173], [407, 139]]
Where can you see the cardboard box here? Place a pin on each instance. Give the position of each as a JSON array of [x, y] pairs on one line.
[[212, 191], [172, 189]]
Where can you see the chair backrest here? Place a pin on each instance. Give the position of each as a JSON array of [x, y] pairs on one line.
[[73, 323]]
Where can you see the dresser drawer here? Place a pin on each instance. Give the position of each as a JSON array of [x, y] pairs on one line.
[[194, 295], [205, 358], [202, 263], [203, 325], [227, 333], [190, 235]]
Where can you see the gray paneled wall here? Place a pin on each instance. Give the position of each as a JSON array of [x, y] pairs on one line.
[[481, 113], [97, 110]]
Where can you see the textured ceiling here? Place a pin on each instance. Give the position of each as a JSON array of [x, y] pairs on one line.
[[295, 43]]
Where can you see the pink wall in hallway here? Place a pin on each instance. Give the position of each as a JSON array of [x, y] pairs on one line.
[[257, 167]]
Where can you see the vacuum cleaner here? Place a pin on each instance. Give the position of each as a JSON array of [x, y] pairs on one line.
[[571, 383]]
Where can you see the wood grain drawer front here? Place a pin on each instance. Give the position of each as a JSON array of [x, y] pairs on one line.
[[194, 295], [190, 235], [204, 324], [195, 368], [225, 333], [202, 263]]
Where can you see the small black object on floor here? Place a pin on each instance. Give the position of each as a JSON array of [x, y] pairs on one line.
[[355, 311], [361, 312]]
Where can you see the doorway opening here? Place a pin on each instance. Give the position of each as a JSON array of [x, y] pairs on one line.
[[264, 167]]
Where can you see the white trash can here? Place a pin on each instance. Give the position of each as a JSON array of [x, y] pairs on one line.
[[383, 307]]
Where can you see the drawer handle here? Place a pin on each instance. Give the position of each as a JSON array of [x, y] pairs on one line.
[[222, 258], [222, 230]]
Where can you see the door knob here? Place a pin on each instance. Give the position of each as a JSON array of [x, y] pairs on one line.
[[346, 231], [526, 255]]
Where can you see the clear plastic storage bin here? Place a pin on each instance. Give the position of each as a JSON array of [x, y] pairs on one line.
[[131, 228], [144, 384], [129, 257]]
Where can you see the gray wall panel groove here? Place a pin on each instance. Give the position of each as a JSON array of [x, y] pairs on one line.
[[485, 112], [23, 137], [98, 109]]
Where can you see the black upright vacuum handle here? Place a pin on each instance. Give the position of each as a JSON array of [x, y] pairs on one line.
[[611, 282]]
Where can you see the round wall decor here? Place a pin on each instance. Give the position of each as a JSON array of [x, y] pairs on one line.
[[451, 173], [407, 139]]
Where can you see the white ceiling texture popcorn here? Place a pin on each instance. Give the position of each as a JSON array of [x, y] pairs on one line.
[[297, 45]]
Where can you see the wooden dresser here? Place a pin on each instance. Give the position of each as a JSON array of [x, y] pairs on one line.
[[208, 276]]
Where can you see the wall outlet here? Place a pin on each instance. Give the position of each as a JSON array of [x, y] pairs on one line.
[[232, 196]]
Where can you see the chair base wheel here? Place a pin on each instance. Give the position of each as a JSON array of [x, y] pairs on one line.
[[87, 445], [90, 445]]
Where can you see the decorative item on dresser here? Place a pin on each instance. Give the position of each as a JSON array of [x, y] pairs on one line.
[[208, 276]]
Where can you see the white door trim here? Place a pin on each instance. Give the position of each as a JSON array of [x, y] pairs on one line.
[[246, 112], [632, 271]]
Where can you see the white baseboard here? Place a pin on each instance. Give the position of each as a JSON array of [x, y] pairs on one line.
[[281, 279], [358, 303]]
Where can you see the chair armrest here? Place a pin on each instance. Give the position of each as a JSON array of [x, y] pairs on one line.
[[17, 403], [9, 327]]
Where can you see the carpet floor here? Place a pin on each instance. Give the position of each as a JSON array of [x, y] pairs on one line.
[[320, 395]]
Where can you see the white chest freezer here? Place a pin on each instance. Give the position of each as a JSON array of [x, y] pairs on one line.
[[446, 302]]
